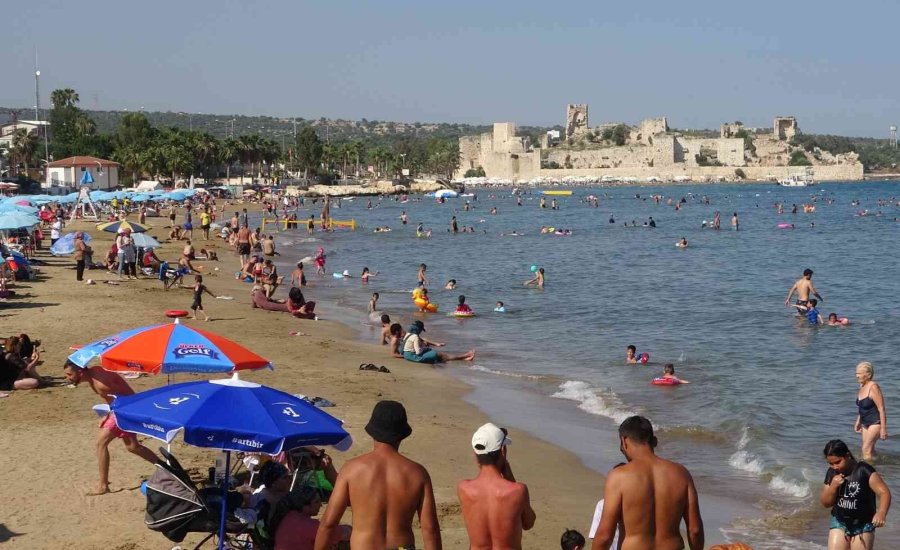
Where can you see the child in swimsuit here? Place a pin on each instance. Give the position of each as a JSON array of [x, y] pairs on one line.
[[500, 308], [463, 308], [669, 374], [199, 289]]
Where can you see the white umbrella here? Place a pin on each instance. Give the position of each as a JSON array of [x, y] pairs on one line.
[[142, 240]]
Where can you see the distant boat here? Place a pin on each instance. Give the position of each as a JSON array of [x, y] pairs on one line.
[[555, 192], [798, 180]]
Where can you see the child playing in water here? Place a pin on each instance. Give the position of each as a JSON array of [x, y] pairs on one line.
[[462, 307], [632, 357], [669, 374], [810, 312], [451, 284], [835, 321], [423, 295], [373, 303], [421, 275], [500, 308], [538, 279]]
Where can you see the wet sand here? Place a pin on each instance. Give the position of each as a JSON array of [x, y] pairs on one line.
[[48, 465]]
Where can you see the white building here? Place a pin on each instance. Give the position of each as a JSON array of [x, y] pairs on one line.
[[7, 130], [66, 174]]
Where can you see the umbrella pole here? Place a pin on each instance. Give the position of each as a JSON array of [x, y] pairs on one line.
[[224, 500]]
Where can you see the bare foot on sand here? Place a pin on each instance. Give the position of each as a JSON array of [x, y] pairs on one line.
[[101, 490]]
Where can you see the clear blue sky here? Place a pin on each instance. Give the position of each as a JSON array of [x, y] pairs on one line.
[[832, 64]]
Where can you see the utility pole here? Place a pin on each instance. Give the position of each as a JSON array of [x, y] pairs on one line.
[[37, 116]]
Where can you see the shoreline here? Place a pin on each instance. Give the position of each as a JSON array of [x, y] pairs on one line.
[[42, 426]]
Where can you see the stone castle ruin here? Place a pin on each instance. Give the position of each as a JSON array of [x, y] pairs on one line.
[[650, 150], [576, 120]]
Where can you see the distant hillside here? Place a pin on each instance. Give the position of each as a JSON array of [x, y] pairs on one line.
[[220, 126]]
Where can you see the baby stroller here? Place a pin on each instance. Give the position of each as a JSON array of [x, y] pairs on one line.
[[175, 507]]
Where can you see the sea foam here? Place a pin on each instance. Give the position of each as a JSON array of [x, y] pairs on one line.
[[590, 400]]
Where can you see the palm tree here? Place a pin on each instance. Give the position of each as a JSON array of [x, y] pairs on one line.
[[24, 146], [229, 153], [85, 126], [66, 97]]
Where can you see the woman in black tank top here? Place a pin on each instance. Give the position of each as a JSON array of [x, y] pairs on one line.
[[871, 421]]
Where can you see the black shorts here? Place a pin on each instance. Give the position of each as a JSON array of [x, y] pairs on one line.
[[205, 227], [243, 248], [197, 305]]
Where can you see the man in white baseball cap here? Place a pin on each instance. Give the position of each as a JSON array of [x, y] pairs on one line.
[[496, 509]]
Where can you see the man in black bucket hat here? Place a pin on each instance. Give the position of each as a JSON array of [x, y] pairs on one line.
[[385, 490]]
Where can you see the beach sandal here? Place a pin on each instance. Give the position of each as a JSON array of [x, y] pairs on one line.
[[382, 368], [368, 366]]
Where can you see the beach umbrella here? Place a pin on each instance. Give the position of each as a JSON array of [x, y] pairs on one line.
[[142, 240], [16, 207], [231, 415], [16, 220], [114, 227], [168, 349], [140, 197], [95, 195], [66, 244], [68, 199]]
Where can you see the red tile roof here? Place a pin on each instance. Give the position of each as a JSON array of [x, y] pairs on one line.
[[81, 161]]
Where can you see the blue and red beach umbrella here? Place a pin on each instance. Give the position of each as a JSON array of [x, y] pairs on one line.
[[168, 349]]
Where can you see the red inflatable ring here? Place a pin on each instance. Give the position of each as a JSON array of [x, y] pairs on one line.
[[175, 313], [661, 381]]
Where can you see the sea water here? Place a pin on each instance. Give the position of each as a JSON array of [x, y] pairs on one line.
[[768, 389]]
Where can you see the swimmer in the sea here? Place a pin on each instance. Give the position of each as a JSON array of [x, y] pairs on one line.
[[373, 303], [421, 275], [451, 284], [500, 308], [810, 311], [669, 374], [803, 287], [682, 243], [631, 355], [537, 280], [366, 274], [835, 321]]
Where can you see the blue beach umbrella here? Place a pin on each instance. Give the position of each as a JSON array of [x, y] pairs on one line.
[[68, 199], [16, 220], [95, 195], [139, 197], [15, 207], [66, 244], [231, 415]]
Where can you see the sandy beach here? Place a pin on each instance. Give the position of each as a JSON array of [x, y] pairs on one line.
[[49, 464]]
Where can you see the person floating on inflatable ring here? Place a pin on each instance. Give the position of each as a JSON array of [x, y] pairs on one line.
[[668, 378]]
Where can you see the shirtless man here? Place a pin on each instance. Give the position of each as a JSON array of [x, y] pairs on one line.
[[107, 384], [496, 509], [243, 243], [385, 490], [649, 497], [803, 287]]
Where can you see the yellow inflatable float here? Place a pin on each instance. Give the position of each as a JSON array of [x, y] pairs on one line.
[[418, 298]]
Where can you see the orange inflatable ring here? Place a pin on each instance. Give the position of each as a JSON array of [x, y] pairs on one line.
[[175, 313]]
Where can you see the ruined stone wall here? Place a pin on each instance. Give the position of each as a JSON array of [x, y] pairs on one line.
[[605, 157], [469, 153], [730, 129], [728, 151], [838, 172], [786, 128], [576, 119], [650, 128]]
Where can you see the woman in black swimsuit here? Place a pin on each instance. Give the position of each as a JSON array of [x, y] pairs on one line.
[[872, 419], [850, 490]]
